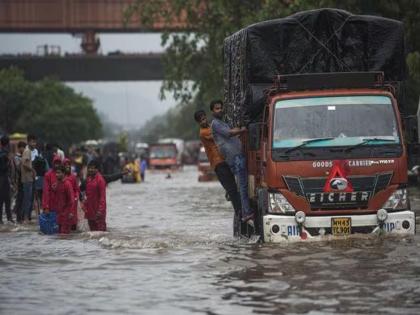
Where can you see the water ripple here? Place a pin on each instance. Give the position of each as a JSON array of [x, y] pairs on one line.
[[170, 250]]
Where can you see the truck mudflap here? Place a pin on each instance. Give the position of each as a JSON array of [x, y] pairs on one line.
[[282, 228]]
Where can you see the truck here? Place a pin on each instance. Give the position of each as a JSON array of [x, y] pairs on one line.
[[191, 152], [180, 145], [206, 173], [141, 149], [320, 94], [412, 135], [163, 156]]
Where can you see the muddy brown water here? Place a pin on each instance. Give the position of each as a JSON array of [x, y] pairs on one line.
[[170, 250]]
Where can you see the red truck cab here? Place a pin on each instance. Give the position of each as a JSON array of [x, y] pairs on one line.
[[329, 159], [163, 156]]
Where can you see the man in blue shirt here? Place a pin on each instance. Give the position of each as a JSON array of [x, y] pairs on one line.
[[230, 147], [143, 167]]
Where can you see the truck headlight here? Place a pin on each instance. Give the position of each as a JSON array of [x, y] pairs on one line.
[[279, 204], [300, 217], [397, 201], [382, 215]]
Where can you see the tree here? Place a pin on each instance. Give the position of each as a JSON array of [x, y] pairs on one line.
[[193, 60], [15, 95], [49, 109], [163, 126]]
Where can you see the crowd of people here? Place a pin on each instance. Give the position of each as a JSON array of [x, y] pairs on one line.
[[43, 178]]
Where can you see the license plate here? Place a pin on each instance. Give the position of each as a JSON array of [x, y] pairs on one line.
[[341, 226]]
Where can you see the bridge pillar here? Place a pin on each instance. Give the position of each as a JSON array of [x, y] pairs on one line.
[[90, 42]]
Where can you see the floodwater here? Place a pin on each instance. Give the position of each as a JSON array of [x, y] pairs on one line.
[[170, 250]]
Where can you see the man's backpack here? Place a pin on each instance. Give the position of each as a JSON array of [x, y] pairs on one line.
[[39, 164], [4, 163]]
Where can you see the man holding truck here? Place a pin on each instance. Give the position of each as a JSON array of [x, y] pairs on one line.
[[217, 162], [231, 148]]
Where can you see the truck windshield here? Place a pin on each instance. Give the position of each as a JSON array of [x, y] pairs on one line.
[[335, 121], [162, 152]]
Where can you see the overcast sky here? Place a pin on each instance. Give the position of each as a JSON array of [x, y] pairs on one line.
[[131, 103]]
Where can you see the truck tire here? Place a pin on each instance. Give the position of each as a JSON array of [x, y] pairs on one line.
[[262, 209], [260, 204], [239, 228], [236, 225]]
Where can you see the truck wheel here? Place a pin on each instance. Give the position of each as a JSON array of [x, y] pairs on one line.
[[236, 225], [239, 228], [262, 209], [260, 204]]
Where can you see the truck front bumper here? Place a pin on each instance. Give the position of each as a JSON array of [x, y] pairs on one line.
[[282, 228]]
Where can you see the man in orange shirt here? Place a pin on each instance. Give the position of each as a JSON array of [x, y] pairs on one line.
[[217, 162]]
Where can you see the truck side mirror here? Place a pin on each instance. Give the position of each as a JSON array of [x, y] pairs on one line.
[[254, 134]]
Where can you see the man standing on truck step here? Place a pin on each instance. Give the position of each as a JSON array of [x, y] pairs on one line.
[[217, 162], [231, 148]]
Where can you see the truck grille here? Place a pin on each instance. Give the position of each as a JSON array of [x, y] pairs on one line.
[[364, 187]]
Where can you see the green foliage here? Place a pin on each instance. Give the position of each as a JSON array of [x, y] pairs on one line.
[[49, 109], [123, 142], [413, 62], [15, 94], [195, 54], [174, 123]]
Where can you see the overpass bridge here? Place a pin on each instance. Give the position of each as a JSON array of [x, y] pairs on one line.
[[73, 68], [77, 16], [88, 18]]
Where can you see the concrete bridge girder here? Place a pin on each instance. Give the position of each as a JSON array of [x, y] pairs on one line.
[[89, 68], [86, 17], [76, 16]]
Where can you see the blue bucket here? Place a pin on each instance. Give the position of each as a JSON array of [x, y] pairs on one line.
[[48, 223]]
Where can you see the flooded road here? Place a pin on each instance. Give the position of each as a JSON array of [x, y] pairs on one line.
[[170, 250]]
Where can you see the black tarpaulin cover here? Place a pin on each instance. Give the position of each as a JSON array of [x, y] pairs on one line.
[[325, 40]]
